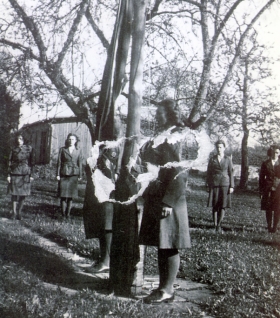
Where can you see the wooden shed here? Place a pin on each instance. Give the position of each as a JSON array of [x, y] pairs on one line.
[[47, 136]]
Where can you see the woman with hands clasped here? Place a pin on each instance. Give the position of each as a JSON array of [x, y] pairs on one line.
[[69, 171], [21, 162], [220, 181]]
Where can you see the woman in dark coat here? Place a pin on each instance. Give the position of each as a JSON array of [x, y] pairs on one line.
[[269, 187], [21, 162], [220, 181], [69, 171], [165, 217], [98, 216]]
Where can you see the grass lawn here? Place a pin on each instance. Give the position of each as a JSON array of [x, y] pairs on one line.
[[241, 265]]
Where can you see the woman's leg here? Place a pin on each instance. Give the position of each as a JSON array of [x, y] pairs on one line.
[[276, 217], [268, 214], [105, 241], [215, 217], [20, 206], [14, 205], [63, 205], [221, 215], [69, 207], [169, 262]]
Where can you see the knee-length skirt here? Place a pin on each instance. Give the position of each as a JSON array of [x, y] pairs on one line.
[[219, 198], [68, 187], [19, 185], [98, 217]]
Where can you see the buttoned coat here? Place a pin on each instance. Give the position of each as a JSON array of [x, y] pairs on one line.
[[220, 174], [69, 169], [69, 164], [267, 179], [168, 190], [21, 163], [21, 160]]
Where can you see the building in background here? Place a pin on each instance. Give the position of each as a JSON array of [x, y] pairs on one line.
[[47, 136]]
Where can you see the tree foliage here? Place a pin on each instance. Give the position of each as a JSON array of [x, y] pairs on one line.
[[9, 121], [60, 48]]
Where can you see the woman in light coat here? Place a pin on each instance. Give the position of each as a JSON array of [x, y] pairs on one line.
[[69, 171], [220, 181]]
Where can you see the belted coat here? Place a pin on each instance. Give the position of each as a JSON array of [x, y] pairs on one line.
[[20, 168], [69, 169], [168, 190]]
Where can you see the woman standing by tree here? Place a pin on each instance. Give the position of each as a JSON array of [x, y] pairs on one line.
[[165, 216], [69, 171], [221, 184], [21, 162]]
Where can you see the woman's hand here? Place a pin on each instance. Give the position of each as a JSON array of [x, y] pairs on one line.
[[231, 190], [166, 211], [58, 178], [31, 179], [9, 179]]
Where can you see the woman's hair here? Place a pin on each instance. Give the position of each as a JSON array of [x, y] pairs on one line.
[[172, 111], [67, 142], [17, 135], [220, 142], [271, 149]]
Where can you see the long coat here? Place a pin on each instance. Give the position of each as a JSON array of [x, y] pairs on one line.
[[168, 190], [69, 169], [219, 178], [268, 184], [21, 162]]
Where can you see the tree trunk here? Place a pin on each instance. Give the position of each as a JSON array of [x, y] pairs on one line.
[[125, 248], [244, 146]]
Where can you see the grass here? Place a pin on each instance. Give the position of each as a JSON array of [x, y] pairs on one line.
[[241, 265]]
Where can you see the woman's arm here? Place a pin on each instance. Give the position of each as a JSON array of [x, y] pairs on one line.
[[58, 170]]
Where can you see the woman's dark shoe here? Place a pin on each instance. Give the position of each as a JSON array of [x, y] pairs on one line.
[[158, 296]]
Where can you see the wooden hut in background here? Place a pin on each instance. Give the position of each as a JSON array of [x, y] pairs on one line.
[[47, 136]]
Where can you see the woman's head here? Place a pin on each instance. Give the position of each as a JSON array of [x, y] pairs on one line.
[[220, 146], [19, 139], [72, 140], [273, 152], [168, 114]]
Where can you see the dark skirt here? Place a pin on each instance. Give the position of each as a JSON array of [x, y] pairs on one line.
[[98, 217], [219, 198], [19, 185], [68, 187], [271, 200]]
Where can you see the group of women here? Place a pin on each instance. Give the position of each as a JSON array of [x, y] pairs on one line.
[[165, 219]]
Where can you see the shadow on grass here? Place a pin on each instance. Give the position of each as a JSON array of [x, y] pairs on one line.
[[49, 267]]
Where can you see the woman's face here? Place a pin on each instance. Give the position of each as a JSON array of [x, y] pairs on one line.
[[71, 141], [161, 117], [20, 140], [220, 149], [275, 154]]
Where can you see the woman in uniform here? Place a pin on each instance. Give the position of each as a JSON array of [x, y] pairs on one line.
[[21, 162]]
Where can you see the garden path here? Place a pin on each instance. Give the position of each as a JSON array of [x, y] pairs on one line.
[[189, 295]]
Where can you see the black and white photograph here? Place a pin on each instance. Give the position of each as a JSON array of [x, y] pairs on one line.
[[140, 158]]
